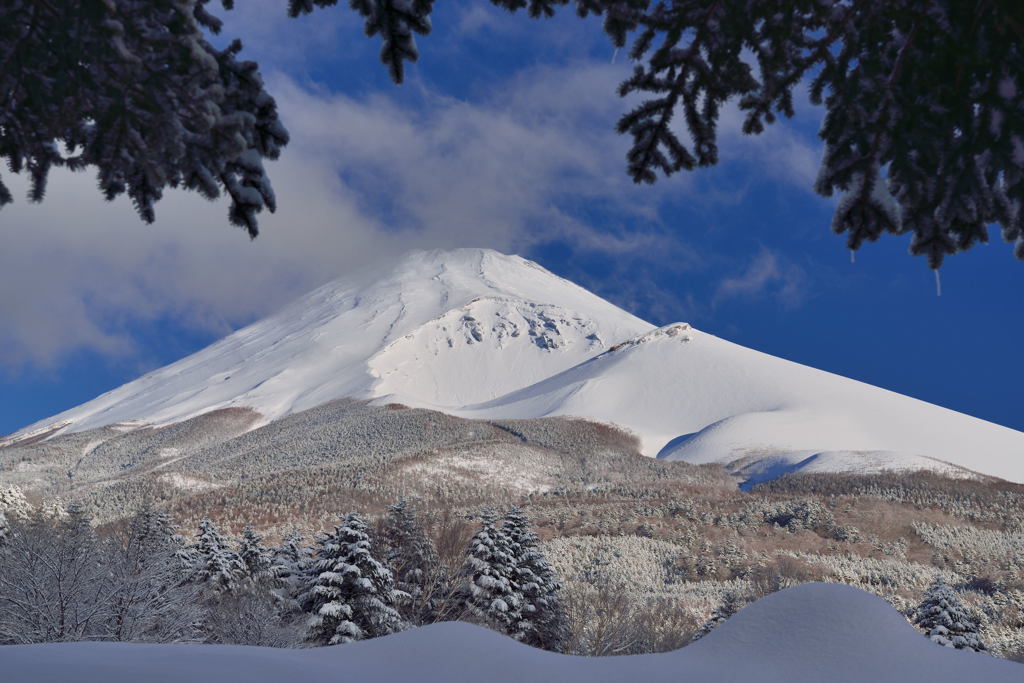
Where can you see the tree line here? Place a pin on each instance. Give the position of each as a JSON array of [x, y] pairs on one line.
[[61, 581], [143, 581]]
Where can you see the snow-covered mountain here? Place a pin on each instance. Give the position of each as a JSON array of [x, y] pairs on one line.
[[480, 334], [695, 397], [438, 330]]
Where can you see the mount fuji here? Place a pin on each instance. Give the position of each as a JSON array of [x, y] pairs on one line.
[[479, 334]]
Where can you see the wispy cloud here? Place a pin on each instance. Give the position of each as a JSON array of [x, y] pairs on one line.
[[532, 158], [362, 179], [767, 275]]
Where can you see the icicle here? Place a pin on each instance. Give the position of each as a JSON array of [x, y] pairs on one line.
[[615, 54], [853, 256], [938, 283]]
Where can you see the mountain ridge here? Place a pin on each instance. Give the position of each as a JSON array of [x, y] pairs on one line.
[[483, 335]]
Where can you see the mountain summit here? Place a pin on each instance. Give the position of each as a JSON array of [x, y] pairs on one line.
[[480, 334], [438, 329]]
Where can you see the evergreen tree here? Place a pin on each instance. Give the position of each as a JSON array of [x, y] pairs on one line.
[[413, 559], [946, 621], [490, 593], [156, 531], [351, 595], [291, 565], [153, 528], [291, 562], [216, 565], [256, 560], [544, 621], [731, 604]]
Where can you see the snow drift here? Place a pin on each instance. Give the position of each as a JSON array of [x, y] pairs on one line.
[[813, 633], [479, 334]]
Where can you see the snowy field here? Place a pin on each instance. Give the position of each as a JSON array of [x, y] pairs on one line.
[[815, 633]]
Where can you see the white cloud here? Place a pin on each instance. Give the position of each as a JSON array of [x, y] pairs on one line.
[[786, 151], [768, 274], [478, 16], [361, 180], [532, 159]]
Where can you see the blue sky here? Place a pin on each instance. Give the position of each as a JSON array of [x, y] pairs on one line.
[[501, 137]]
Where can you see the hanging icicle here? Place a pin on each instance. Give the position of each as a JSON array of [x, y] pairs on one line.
[[615, 55], [938, 283], [853, 256]]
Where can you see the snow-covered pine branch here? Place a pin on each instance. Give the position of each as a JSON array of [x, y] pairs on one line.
[[134, 90], [919, 139]]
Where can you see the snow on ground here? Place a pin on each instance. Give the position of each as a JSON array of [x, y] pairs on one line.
[[479, 334], [813, 633], [765, 468], [193, 484], [695, 397]]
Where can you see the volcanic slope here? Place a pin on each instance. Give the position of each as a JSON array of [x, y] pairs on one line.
[[438, 329], [692, 396], [479, 334]]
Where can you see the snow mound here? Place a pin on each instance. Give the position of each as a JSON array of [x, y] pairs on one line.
[[811, 633]]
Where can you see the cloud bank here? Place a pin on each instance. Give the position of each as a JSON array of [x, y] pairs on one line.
[[530, 159], [362, 180]]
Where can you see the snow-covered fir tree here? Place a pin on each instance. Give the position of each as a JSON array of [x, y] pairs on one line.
[[413, 559], [256, 559], [544, 622], [351, 594], [490, 593], [13, 504], [731, 604], [908, 148], [290, 563], [156, 530], [946, 621], [216, 565]]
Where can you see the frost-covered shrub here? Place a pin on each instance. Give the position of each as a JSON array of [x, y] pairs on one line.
[[846, 532], [801, 513], [946, 621]]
